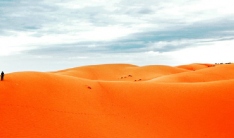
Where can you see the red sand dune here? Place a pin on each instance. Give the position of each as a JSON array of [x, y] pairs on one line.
[[119, 101]]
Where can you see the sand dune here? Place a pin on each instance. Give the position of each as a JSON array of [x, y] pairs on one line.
[[119, 101], [195, 66], [211, 73], [120, 72]]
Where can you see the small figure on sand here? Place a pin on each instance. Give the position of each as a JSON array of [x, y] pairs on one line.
[[2, 76]]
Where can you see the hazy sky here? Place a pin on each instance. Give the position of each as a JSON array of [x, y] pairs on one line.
[[49, 35]]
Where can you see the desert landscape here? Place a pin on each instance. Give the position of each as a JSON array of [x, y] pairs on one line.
[[119, 101]]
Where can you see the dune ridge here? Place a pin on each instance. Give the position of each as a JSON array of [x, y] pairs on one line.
[[119, 72], [119, 100], [196, 66], [210, 73]]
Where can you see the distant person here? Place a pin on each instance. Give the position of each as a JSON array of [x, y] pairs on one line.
[[2, 76]]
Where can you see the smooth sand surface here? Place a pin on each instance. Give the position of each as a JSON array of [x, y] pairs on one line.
[[119, 101]]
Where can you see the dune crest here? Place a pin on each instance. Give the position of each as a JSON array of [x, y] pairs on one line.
[[119, 100], [195, 66], [207, 74], [120, 72]]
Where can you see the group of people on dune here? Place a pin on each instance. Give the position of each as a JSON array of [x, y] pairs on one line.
[[2, 76]]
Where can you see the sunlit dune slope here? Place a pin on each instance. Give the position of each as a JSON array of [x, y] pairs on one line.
[[195, 66], [120, 72], [213, 73], [96, 72], [75, 103]]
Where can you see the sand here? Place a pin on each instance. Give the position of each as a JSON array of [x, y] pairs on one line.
[[119, 101]]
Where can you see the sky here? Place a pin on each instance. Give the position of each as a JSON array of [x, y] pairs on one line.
[[50, 35]]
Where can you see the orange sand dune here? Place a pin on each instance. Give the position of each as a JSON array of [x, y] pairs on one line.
[[214, 73], [196, 66], [95, 102], [120, 72]]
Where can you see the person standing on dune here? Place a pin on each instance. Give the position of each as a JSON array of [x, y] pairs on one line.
[[2, 76]]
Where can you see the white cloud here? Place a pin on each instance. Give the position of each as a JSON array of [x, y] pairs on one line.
[[212, 52], [14, 44], [74, 4], [107, 33]]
